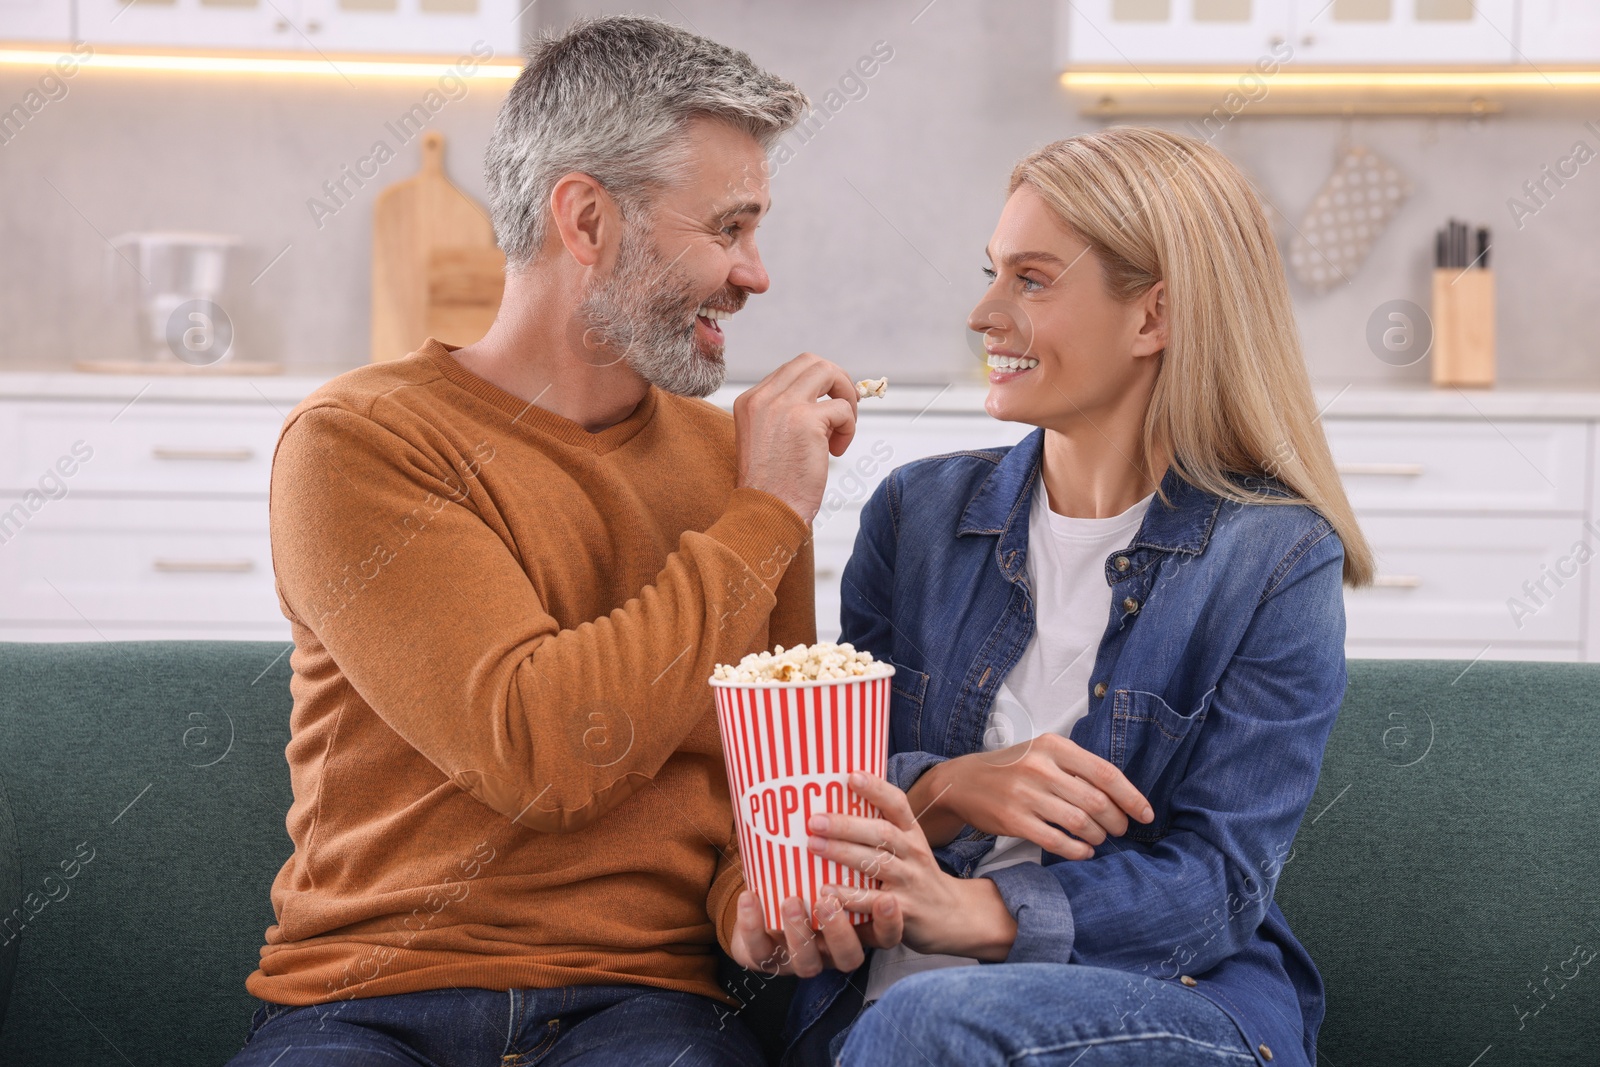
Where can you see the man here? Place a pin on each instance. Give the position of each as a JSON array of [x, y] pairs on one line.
[[510, 569]]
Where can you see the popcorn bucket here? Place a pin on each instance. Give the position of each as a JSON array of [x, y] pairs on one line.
[[790, 747]]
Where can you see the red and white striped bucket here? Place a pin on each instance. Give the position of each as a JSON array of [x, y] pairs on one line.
[[790, 747]]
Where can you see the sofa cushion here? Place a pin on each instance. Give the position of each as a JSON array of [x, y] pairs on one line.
[[1445, 878], [149, 788]]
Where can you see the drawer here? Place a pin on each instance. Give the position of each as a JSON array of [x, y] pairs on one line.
[[1443, 465], [145, 447], [1444, 579], [884, 442], [80, 560]]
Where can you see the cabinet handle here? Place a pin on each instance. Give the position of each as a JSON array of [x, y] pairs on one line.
[[825, 573], [282, 26], [205, 566], [313, 26], [1397, 470], [229, 455], [1396, 581]]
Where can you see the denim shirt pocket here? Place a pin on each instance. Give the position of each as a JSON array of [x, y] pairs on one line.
[[906, 692], [1148, 739]]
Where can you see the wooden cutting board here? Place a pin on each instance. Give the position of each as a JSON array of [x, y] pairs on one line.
[[436, 271]]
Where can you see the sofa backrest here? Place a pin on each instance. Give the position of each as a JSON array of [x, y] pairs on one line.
[[148, 785], [1445, 878]]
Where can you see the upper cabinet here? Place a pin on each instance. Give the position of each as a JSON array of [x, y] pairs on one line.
[[1130, 32], [1560, 31], [35, 20], [1127, 33], [438, 27], [1405, 32]]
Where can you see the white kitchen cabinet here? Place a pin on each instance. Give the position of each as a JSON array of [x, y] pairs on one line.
[[134, 509], [35, 20], [1404, 32], [124, 520], [1131, 32], [243, 24], [1418, 466], [1461, 510], [173, 563], [448, 27], [438, 27], [1238, 33], [152, 447], [1559, 31], [1447, 580]]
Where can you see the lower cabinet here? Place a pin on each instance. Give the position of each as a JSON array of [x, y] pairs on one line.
[[138, 520], [121, 522], [1482, 531]]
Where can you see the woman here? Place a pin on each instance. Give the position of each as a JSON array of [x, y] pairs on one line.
[[1118, 650]]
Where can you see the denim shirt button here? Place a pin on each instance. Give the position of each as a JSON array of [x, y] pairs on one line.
[[1130, 605], [1123, 563], [1266, 1053], [1186, 980], [1099, 689]]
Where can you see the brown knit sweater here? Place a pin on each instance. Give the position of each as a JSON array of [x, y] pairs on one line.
[[504, 752]]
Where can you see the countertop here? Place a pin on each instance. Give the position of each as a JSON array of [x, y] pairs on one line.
[[1337, 400]]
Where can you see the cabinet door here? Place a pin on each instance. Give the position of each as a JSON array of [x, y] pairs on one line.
[[160, 562], [1506, 581], [1357, 32], [441, 27], [35, 20], [1197, 32], [244, 24], [1560, 31]]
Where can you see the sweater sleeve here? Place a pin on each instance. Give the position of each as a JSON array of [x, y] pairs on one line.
[[431, 618]]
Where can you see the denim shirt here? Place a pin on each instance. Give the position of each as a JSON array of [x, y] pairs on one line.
[[1214, 689]]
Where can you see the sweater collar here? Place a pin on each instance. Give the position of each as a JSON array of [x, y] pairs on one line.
[[525, 413]]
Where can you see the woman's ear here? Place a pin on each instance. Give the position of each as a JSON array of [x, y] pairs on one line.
[[1153, 333], [586, 218]]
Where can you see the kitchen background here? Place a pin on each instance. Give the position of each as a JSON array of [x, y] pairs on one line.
[[1473, 498], [879, 223]]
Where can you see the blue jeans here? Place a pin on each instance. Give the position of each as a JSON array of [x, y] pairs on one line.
[[591, 1026], [1041, 1015]]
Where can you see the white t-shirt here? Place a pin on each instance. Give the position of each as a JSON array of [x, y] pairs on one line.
[[1048, 689]]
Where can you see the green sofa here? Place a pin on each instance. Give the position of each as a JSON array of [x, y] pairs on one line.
[[1440, 878]]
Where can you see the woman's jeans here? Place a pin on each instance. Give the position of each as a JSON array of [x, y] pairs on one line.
[[1038, 1014], [592, 1026]]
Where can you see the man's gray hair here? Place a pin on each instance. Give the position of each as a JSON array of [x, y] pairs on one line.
[[611, 98]]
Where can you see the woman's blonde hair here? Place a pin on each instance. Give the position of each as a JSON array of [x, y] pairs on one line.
[[1232, 396]]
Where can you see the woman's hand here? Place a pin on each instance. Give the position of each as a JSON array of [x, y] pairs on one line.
[[1033, 790], [804, 951], [942, 913]]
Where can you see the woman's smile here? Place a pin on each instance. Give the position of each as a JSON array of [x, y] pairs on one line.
[[1005, 366]]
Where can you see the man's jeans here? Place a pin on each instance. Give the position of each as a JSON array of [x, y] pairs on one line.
[[592, 1026], [1038, 1014]]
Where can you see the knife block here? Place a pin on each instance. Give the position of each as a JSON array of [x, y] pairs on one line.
[[1463, 327]]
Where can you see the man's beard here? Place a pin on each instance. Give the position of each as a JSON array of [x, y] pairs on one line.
[[637, 314]]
